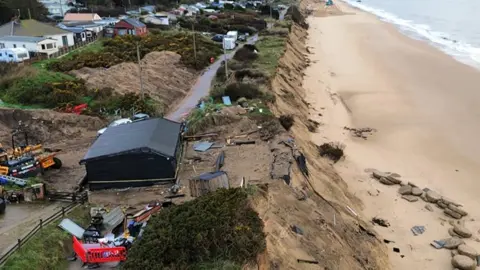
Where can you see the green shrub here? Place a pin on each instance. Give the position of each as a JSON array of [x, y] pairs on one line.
[[238, 90], [286, 121], [124, 49], [332, 150], [216, 227]]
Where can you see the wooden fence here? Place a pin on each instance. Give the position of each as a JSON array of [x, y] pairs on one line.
[[61, 51], [79, 199]]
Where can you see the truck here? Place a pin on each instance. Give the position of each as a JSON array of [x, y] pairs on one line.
[[233, 34]]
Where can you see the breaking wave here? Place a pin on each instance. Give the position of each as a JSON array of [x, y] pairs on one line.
[[460, 50]]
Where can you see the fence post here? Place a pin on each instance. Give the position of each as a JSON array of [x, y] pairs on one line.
[[41, 223], [19, 242], [63, 211]]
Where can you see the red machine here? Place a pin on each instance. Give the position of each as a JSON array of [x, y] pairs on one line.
[[97, 253], [75, 109]]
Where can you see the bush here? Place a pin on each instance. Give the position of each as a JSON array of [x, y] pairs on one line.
[[332, 150], [246, 53], [238, 90], [219, 226], [123, 49], [312, 125], [286, 121]]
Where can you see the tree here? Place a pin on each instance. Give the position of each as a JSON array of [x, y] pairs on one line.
[[6, 13], [27, 9]]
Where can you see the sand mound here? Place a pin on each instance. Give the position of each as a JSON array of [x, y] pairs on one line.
[[165, 79], [46, 126]]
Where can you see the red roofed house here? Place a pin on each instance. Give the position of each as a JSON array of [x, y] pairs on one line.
[[130, 26], [81, 17]]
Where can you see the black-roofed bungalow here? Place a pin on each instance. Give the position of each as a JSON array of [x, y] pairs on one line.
[[134, 155]]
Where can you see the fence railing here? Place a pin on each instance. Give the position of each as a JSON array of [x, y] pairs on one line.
[[61, 51], [80, 199]]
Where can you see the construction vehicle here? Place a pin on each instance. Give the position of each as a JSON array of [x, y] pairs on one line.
[[24, 160]]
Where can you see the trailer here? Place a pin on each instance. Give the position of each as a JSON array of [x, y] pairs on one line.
[[15, 55]]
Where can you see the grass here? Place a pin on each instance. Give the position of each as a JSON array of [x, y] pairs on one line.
[[93, 47], [270, 48], [47, 250]]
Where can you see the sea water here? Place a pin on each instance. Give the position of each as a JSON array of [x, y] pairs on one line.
[[453, 26]]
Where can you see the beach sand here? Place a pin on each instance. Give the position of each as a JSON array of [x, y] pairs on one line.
[[425, 107]]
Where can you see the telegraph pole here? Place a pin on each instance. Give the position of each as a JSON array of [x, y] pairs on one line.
[[225, 59], [29, 15], [194, 44], [140, 72]]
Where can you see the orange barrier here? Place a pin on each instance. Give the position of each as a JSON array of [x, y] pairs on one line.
[[99, 254]]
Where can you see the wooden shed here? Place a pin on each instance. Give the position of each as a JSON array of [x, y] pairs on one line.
[[208, 182]]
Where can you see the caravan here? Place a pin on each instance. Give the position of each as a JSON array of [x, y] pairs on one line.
[[16, 55]]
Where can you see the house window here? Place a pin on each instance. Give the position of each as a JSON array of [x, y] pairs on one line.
[[55, 45], [14, 45], [49, 46], [24, 46], [22, 55], [2, 45], [43, 46], [10, 55]]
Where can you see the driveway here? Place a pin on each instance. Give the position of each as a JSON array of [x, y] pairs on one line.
[[202, 86]]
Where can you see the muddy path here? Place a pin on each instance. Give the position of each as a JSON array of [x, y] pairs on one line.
[[202, 86]]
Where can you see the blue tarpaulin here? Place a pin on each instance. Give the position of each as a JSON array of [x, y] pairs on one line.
[[226, 100]]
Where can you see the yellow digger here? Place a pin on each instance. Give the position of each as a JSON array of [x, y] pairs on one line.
[[24, 160]]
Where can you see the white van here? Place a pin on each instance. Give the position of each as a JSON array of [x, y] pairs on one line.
[[233, 34], [14, 55], [229, 43]]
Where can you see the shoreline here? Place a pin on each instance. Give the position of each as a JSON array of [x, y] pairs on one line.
[[441, 41], [423, 103]]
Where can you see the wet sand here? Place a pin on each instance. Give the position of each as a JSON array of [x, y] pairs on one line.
[[426, 108]]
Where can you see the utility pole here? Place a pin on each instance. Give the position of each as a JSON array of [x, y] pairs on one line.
[[61, 8], [225, 59], [140, 72], [194, 44], [29, 15]]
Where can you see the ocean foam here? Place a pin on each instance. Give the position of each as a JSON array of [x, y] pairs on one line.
[[462, 51]]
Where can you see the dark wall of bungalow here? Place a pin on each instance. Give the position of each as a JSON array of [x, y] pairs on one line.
[[138, 168], [138, 154]]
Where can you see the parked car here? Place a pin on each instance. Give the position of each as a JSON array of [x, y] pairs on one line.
[[218, 38], [242, 38], [140, 117], [114, 124]]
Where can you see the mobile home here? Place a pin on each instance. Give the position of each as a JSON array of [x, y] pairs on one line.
[[14, 55]]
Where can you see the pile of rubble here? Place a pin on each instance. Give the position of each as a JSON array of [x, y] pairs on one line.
[[360, 132], [464, 257], [412, 193]]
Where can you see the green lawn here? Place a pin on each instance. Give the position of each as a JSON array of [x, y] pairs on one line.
[[270, 48]]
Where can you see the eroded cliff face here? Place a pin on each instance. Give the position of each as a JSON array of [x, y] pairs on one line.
[[330, 233]]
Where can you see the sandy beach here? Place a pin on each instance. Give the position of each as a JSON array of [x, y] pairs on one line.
[[425, 107]]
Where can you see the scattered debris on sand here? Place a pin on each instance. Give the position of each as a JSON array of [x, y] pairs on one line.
[[361, 132], [381, 222]]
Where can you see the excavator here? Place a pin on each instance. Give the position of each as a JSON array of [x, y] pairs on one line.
[[24, 160]]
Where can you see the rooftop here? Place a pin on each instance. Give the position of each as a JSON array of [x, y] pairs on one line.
[[31, 28], [22, 39], [157, 135], [134, 22], [81, 17]]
